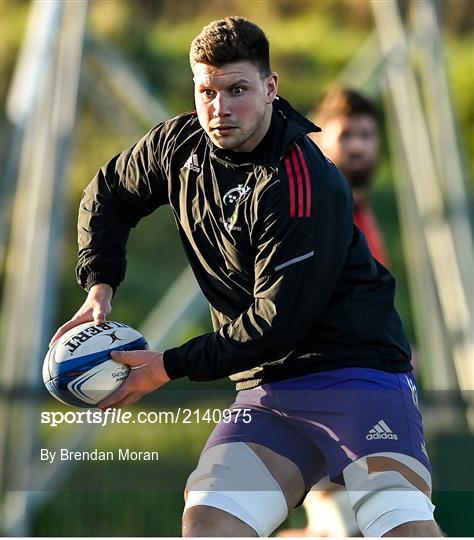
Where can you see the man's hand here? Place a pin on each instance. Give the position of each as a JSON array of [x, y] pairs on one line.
[[96, 308], [147, 373]]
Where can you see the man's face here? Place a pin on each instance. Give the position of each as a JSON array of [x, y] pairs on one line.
[[352, 143], [233, 103]]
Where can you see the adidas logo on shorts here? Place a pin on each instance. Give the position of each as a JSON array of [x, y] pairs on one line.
[[381, 431]]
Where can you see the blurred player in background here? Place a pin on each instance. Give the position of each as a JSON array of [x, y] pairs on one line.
[[350, 138], [304, 317]]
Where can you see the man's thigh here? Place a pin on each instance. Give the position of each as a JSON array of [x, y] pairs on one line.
[[390, 493], [285, 472], [246, 485], [417, 529], [254, 468]]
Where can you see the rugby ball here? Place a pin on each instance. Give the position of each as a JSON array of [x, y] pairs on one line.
[[78, 369]]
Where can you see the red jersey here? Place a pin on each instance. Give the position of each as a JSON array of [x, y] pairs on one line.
[[365, 219]]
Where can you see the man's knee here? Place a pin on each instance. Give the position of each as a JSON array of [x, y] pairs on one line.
[[201, 521]]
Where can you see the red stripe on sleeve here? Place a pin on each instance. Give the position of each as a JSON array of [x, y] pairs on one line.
[[307, 181], [300, 182], [291, 181]]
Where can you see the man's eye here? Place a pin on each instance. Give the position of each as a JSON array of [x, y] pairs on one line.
[[207, 93], [237, 90]]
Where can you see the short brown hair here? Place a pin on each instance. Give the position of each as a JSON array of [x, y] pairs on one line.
[[344, 102], [232, 39]]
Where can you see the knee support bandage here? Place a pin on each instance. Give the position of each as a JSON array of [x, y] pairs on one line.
[[232, 477], [386, 490]]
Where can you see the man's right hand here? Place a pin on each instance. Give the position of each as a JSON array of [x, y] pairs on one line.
[[96, 308]]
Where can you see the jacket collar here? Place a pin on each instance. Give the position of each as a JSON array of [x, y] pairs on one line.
[[297, 124]]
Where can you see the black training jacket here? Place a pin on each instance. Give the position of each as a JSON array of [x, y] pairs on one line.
[[290, 280]]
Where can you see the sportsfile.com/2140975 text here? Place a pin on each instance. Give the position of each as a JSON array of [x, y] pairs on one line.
[[118, 416]]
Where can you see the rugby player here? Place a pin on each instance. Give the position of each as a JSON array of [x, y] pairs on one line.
[[350, 139], [303, 315]]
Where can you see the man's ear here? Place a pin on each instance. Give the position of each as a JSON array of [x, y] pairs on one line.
[[271, 87]]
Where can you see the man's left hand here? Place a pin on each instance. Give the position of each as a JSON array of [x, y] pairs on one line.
[[147, 373]]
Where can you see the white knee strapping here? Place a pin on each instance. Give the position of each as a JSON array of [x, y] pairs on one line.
[[385, 510], [233, 478], [385, 499]]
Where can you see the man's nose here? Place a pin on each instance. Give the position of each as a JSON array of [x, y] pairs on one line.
[[356, 144], [221, 106]]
